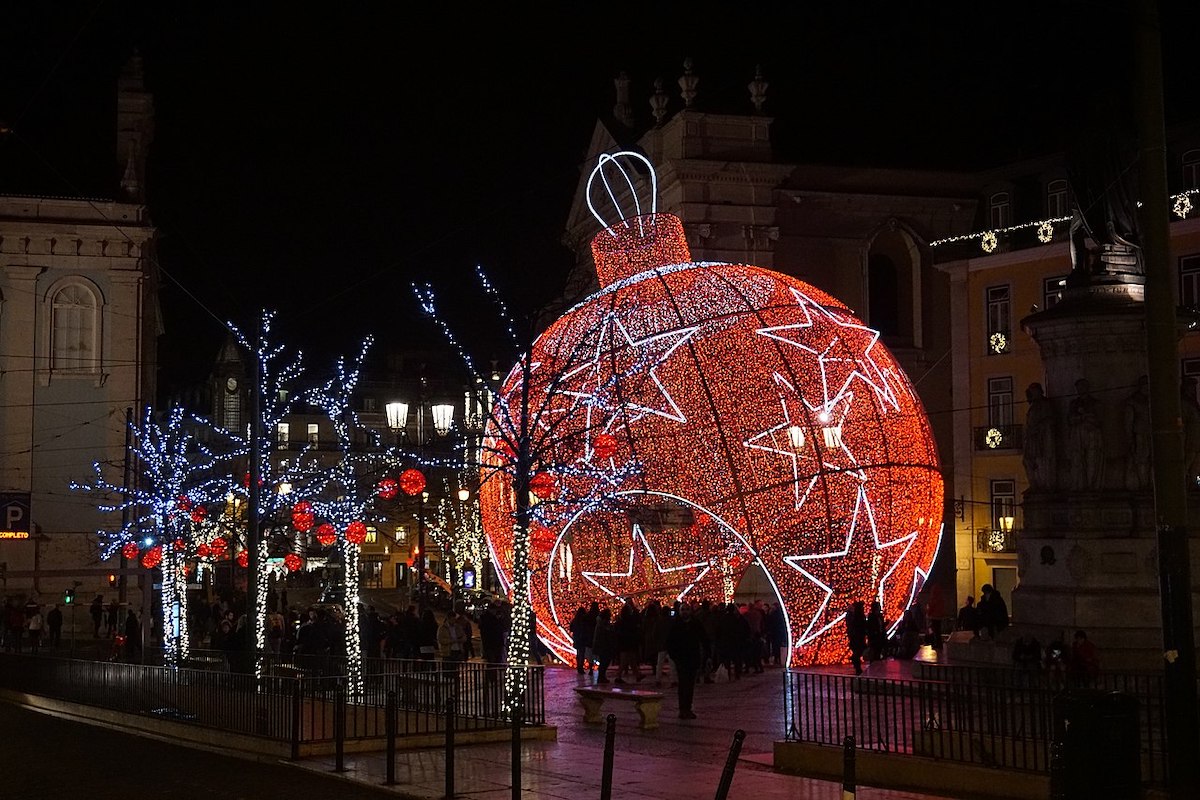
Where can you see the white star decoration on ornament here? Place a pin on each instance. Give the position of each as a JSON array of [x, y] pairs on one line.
[[616, 389], [698, 569], [846, 594], [822, 333], [792, 439]]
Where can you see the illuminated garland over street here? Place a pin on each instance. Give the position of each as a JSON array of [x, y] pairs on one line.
[[766, 426]]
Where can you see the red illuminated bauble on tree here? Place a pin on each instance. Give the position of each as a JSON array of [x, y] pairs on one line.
[[387, 488], [218, 546], [542, 485], [180, 545], [412, 482], [130, 551], [198, 514], [302, 516], [203, 550], [183, 503], [356, 532], [326, 534], [292, 562], [737, 423], [604, 445], [243, 559], [152, 557]]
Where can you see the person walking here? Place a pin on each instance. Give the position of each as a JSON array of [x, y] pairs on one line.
[[581, 637], [856, 635], [35, 624], [133, 635], [876, 633], [604, 644], [685, 647], [54, 623], [629, 642], [97, 612]]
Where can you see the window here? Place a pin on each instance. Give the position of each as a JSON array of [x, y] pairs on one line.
[[313, 433], [1191, 376], [1000, 402], [231, 411], [1189, 281], [1056, 199], [1052, 291], [370, 404], [883, 295], [283, 434], [73, 329], [998, 320], [1191, 169], [1004, 503], [1001, 216]]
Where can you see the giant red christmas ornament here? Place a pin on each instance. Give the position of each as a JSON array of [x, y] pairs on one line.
[[732, 419]]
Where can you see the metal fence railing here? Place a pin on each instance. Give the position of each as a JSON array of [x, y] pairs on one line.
[[296, 702], [1003, 719]]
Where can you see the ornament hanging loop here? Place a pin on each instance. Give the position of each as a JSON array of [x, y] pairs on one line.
[[607, 158]]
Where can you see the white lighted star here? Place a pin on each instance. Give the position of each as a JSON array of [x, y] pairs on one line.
[[822, 333], [863, 515], [700, 568]]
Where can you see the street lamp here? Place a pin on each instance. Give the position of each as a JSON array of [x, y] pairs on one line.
[[442, 417]]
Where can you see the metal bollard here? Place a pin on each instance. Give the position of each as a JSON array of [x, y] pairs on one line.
[[610, 737], [848, 779], [451, 702], [735, 749], [389, 716], [339, 729]]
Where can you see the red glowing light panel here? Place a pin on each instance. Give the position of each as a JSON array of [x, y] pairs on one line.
[[770, 430]]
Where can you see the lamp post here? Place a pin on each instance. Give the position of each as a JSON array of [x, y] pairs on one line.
[[439, 416]]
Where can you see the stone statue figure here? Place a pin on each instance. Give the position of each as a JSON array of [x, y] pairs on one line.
[[1041, 430], [1085, 438], [1190, 411], [1137, 435]]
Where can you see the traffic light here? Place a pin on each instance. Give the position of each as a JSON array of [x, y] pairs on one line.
[[112, 580], [68, 596]]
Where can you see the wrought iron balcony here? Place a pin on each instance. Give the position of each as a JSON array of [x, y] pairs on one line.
[[990, 540]]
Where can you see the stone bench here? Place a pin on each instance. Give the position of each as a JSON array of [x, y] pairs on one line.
[[647, 703]]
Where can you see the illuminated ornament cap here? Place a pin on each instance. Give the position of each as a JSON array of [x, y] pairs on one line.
[[758, 422]]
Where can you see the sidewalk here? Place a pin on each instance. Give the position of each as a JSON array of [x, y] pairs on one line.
[[681, 760]]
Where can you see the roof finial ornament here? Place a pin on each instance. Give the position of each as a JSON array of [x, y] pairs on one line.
[[623, 111], [658, 102], [687, 84], [758, 89]]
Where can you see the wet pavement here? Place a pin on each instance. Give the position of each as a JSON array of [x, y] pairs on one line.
[[681, 759]]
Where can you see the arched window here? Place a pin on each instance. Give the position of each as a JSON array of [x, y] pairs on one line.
[[1191, 169], [1001, 211], [74, 329], [883, 295]]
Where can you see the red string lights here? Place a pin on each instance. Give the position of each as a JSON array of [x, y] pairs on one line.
[[772, 429]]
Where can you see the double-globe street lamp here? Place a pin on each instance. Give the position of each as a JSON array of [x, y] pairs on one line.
[[439, 417]]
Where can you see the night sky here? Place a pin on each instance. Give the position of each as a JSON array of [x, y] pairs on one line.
[[315, 160]]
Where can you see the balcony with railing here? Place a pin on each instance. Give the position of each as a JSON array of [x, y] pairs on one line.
[[996, 540]]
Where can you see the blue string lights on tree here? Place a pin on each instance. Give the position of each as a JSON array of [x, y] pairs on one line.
[[166, 509], [522, 468], [347, 497]]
